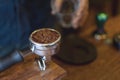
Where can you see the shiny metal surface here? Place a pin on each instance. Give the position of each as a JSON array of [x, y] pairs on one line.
[[44, 50]]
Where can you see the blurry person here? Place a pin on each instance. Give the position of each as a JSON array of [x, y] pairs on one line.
[[80, 14]]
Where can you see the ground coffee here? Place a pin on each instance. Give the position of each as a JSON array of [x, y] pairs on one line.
[[45, 36]]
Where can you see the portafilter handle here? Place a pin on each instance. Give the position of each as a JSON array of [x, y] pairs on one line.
[[10, 60]]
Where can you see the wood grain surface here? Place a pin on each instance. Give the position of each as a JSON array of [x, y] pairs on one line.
[[28, 70]]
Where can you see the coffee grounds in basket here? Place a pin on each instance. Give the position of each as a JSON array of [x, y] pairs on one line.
[[45, 36]]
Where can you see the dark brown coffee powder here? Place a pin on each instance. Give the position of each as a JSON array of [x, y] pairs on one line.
[[45, 36]]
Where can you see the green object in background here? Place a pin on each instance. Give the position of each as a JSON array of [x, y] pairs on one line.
[[100, 33], [101, 18]]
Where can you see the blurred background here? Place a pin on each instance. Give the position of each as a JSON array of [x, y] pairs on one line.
[[112, 9]]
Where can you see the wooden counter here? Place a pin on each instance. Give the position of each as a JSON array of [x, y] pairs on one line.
[[28, 70], [107, 64]]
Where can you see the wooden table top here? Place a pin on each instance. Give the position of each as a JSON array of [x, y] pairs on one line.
[[105, 67], [29, 70], [107, 64]]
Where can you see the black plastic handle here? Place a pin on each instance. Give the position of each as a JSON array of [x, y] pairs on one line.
[[10, 60]]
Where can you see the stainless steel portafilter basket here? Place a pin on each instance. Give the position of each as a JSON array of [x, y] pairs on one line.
[[44, 50]]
